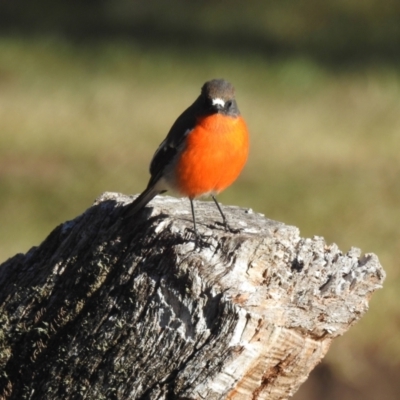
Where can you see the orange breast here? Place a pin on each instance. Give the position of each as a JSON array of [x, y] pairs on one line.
[[215, 154]]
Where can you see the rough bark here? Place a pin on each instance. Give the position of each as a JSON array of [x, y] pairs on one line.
[[105, 309]]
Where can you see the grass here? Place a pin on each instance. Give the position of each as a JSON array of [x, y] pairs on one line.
[[76, 121]]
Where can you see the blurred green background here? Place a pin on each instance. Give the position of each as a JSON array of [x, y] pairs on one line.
[[89, 88]]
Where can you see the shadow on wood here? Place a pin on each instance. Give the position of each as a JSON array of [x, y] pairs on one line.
[[107, 308]]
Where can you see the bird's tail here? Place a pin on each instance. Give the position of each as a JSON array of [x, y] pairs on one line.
[[140, 202]]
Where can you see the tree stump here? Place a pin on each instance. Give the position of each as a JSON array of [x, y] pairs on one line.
[[107, 308]]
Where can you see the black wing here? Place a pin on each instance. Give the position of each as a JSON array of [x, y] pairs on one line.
[[169, 147]]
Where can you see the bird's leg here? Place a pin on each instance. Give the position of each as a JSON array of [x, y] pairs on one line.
[[227, 227], [198, 242], [194, 220]]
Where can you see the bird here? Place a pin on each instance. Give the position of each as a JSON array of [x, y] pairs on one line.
[[203, 153]]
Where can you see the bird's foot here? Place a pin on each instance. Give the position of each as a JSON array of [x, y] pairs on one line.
[[228, 228]]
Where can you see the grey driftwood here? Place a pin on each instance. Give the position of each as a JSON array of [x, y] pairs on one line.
[[113, 309]]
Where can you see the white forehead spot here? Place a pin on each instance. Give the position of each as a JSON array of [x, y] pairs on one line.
[[218, 101]]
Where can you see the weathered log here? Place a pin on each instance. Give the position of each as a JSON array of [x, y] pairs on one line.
[[107, 308]]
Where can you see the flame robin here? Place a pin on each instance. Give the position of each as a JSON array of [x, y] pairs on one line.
[[204, 151]]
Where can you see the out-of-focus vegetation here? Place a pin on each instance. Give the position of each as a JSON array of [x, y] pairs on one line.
[[332, 31], [88, 89]]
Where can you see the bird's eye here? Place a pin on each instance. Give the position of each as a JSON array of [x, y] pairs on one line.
[[228, 104]]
